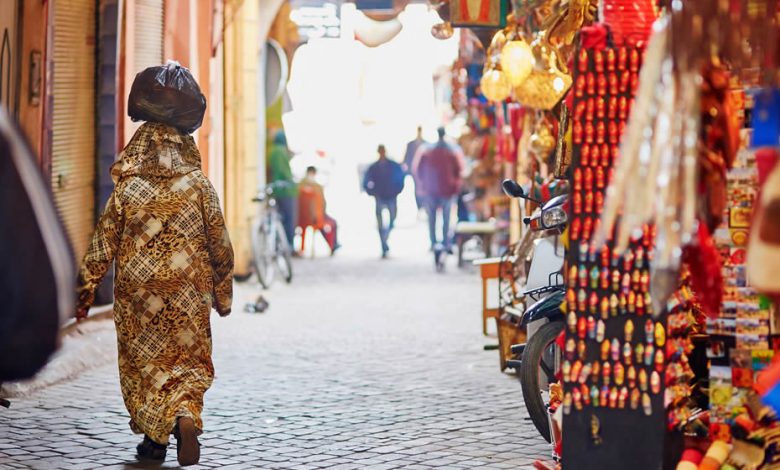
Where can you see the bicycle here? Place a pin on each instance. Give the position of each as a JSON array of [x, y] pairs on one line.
[[271, 251]]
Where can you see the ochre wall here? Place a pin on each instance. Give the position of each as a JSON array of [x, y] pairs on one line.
[[34, 22]]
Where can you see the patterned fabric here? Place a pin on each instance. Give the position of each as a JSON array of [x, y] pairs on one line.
[[174, 261]]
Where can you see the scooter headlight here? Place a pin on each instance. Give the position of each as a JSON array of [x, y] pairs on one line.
[[554, 217]]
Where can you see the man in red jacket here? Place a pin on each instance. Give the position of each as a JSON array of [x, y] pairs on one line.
[[439, 172]]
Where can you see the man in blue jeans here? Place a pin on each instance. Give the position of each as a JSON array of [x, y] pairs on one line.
[[384, 180], [439, 172]]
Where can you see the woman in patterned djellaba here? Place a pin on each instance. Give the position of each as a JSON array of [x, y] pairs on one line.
[[164, 228]]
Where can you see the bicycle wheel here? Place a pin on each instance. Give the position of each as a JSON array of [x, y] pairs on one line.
[[261, 256], [283, 255]]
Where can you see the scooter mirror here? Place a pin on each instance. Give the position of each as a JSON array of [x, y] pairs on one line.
[[512, 188]]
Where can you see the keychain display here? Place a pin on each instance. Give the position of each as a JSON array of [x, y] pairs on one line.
[[611, 312]]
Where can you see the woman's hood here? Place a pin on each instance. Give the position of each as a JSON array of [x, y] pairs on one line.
[[157, 150]]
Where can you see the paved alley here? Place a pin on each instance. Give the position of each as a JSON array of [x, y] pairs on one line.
[[360, 363]]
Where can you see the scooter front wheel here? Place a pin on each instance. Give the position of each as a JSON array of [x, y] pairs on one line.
[[541, 357]]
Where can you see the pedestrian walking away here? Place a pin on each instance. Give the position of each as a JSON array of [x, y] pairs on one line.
[[174, 262], [384, 180], [285, 189], [412, 149], [439, 170]]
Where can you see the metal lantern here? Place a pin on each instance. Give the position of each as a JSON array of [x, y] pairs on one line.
[[517, 61], [495, 85]]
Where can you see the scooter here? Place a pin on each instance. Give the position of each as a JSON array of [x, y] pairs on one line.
[[537, 361]]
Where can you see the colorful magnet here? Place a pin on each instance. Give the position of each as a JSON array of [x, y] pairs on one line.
[[593, 303], [625, 284], [639, 259], [571, 300], [600, 330], [655, 382], [591, 328], [605, 350], [623, 304], [582, 300], [604, 397], [581, 349], [582, 272], [566, 371], [604, 308], [627, 353], [606, 372], [584, 373], [649, 330], [660, 335], [635, 397], [642, 380], [644, 281], [570, 349], [628, 261], [604, 278], [615, 280], [613, 305], [594, 277], [582, 328], [583, 253], [576, 368], [613, 397], [639, 352], [631, 302], [585, 391], [567, 402], [636, 278], [647, 404], [631, 376], [620, 374], [622, 398], [596, 371], [649, 353], [659, 359], [628, 330], [594, 395], [614, 350], [573, 275]]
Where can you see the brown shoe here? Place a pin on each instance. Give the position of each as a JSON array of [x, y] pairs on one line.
[[187, 445]]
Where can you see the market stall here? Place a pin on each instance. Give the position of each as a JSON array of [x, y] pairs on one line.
[[663, 119]]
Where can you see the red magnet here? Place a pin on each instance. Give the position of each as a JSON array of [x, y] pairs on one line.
[[628, 260], [601, 108], [591, 109], [615, 154], [576, 133], [610, 60], [577, 203], [640, 304], [597, 227], [612, 132], [581, 349], [578, 179], [604, 275], [598, 60], [574, 232], [589, 131], [601, 82], [659, 359], [636, 278], [600, 178], [613, 84], [621, 127], [584, 158], [634, 82], [599, 202], [635, 397], [586, 228], [639, 260], [585, 394], [601, 132], [577, 398], [582, 328], [593, 302], [605, 257], [579, 86], [589, 202], [612, 108], [588, 179], [644, 281], [606, 373], [625, 81], [582, 60], [631, 301], [623, 108], [604, 161], [571, 297], [649, 354], [634, 60], [579, 111], [591, 84], [596, 371], [595, 154], [622, 60]]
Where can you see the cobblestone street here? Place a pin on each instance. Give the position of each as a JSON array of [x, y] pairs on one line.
[[360, 363]]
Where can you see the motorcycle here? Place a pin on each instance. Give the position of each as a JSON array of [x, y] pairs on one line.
[[538, 360]]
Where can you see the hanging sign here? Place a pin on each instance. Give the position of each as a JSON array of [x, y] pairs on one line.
[[479, 13]]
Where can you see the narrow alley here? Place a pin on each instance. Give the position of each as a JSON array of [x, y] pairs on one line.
[[386, 371]]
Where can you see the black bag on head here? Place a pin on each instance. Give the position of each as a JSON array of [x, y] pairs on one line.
[[167, 94]]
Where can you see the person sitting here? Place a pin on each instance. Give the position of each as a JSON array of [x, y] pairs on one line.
[[311, 211]]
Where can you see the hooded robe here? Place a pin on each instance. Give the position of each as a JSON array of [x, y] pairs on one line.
[[164, 228]]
